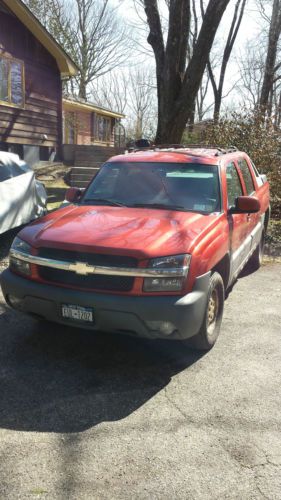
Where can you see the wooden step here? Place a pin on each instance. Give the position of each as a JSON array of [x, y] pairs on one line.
[[88, 160]]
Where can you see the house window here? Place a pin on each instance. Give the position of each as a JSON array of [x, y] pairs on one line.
[[101, 128], [11, 82], [70, 124]]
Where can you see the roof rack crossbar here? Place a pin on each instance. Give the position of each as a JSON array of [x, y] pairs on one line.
[[157, 147]]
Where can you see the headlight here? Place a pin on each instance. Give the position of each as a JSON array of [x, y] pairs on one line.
[[16, 263], [170, 284]]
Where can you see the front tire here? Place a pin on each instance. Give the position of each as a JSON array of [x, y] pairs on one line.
[[206, 338]]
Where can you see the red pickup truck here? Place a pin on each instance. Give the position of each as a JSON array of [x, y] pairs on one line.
[[148, 249]]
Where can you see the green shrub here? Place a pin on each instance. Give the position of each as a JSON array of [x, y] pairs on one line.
[[249, 132]]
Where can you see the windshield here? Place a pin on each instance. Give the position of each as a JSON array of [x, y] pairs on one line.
[[179, 186]]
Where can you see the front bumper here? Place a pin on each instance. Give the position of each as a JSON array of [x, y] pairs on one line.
[[112, 313]]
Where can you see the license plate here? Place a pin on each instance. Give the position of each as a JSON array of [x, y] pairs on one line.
[[77, 313]]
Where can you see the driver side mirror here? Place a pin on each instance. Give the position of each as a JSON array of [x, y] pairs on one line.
[[245, 205], [73, 194]]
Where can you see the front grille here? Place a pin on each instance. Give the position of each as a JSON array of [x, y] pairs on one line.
[[92, 281]]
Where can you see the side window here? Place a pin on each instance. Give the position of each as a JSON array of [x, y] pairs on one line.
[[234, 188], [244, 167]]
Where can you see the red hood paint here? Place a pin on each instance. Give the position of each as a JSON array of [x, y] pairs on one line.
[[143, 233]]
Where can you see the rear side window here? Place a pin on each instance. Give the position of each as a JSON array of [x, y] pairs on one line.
[[244, 167], [234, 188]]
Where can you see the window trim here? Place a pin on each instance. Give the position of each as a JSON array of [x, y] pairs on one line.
[[67, 126], [9, 103], [242, 176], [94, 118]]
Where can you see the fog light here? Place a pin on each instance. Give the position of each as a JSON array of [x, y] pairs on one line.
[[14, 301], [163, 284], [164, 327]]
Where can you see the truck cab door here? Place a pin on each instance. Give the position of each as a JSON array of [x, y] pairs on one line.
[[237, 222], [254, 225]]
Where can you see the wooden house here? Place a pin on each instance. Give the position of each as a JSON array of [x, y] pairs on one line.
[[32, 66]]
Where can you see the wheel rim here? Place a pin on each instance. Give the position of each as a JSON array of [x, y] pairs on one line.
[[212, 314]]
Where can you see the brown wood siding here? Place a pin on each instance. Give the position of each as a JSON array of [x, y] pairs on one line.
[[41, 114]]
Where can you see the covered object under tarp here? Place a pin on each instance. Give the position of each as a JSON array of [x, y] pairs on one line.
[[22, 197]]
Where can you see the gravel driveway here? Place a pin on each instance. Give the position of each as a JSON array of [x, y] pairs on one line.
[[110, 417]]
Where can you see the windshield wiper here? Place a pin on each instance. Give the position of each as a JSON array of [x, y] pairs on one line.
[[160, 206], [105, 201]]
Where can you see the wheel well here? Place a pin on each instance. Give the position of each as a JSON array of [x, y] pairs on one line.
[[223, 268]]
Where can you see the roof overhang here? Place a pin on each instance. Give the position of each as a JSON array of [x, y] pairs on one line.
[[69, 105], [65, 64]]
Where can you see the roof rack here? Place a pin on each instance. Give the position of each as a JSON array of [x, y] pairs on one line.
[[157, 147]]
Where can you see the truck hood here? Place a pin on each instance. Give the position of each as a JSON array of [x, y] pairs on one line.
[[139, 232]]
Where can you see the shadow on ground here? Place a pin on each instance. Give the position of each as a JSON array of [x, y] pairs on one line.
[[59, 379]]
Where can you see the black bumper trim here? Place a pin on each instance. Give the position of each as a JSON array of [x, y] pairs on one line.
[[121, 313]]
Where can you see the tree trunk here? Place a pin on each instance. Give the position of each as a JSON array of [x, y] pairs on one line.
[[177, 86], [278, 118], [274, 34], [82, 89]]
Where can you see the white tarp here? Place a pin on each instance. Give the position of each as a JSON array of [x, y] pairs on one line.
[[22, 198]]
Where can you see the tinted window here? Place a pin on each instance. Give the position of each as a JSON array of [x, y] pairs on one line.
[[243, 165], [234, 188], [193, 187]]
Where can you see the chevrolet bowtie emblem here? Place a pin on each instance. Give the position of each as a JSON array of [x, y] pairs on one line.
[[81, 268]]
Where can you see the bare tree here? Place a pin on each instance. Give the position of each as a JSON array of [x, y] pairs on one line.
[[265, 100], [251, 70], [178, 81], [111, 91], [90, 31], [132, 92], [201, 108], [141, 101], [232, 35]]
